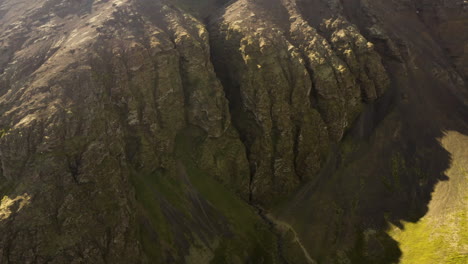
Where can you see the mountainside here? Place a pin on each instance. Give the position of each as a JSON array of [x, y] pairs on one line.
[[246, 131]]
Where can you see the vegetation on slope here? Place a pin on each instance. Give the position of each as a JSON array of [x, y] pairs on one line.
[[441, 236]]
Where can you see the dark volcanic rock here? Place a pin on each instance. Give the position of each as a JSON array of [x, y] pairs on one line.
[[160, 131]]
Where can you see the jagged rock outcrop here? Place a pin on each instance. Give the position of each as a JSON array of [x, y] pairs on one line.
[[383, 177], [93, 98], [292, 90], [163, 131]]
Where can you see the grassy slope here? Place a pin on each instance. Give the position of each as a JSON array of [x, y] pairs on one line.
[[249, 238], [442, 235]]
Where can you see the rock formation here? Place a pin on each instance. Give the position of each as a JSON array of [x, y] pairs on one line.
[[247, 131]]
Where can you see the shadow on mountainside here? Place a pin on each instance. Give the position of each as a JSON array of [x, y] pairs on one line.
[[379, 177], [388, 165]]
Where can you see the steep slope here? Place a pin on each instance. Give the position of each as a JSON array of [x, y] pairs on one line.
[[94, 96], [266, 131], [447, 23], [292, 93], [441, 235], [391, 161]]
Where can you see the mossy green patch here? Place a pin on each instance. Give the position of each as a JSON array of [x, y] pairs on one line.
[[245, 235], [441, 236], [249, 233], [145, 185], [250, 237], [434, 241]]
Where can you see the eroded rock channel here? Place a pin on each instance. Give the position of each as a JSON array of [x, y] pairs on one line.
[[155, 131]]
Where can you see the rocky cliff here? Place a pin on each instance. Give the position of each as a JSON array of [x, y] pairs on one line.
[[248, 131]]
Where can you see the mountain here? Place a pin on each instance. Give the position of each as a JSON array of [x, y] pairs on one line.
[[244, 131]]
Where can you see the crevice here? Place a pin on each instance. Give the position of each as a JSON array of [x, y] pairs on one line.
[[233, 96], [74, 167]]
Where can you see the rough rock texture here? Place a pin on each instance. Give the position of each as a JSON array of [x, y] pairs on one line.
[[248, 131], [292, 92], [94, 95], [384, 173]]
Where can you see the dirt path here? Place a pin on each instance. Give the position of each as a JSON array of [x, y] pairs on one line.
[[283, 228]]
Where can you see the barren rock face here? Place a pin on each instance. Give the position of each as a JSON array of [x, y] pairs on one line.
[[248, 131], [294, 90]]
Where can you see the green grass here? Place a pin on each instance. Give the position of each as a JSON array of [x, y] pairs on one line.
[[146, 184], [432, 242], [248, 237], [251, 236], [441, 236]]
